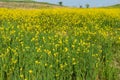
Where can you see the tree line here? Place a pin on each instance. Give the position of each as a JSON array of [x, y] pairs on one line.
[[87, 5]]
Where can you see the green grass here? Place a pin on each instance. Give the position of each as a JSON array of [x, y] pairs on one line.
[[112, 6], [30, 2], [51, 44], [27, 4], [48, 5]]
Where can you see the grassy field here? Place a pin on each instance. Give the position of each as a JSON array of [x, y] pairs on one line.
[[27, 5], [113, 6], [59, 44], [38, 5]]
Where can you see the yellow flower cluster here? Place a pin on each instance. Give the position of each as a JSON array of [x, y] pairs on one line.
[[53, 44]]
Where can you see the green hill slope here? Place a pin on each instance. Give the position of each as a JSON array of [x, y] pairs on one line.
[[113, 6], [27, 4]]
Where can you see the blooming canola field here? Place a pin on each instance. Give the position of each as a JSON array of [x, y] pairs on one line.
[[59, 44]]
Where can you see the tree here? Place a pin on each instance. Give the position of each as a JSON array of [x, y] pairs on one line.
[[60, 3], [87, 5], [80, 6]]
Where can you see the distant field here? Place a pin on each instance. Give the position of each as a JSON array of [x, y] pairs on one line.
[[27, 5], [113, 6]]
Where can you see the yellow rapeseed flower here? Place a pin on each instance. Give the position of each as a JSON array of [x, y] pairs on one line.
[[30, 71]]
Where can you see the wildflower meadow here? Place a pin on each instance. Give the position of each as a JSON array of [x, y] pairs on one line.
[[59, 44]]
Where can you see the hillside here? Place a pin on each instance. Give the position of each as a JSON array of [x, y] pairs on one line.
[[28, 5], [113, 6], [37, 5]]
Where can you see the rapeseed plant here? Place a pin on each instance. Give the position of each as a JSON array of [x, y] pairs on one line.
[[58, 44]]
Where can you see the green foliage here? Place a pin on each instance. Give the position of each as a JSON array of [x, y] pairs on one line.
[[17, 0], [81, 6], [60, 3], [27, 4], [113, 6], [58, 44], [87, 5]]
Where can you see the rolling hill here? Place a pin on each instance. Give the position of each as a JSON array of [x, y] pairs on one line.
[[27, 4], [38, 5], [113, 6]]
